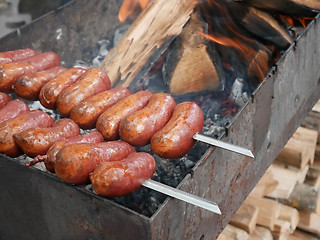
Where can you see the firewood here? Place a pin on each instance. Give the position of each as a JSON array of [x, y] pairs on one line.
[[304, 197], [146, 39], [302, 235], [268, 210], [309, 222], [192, 64], [288, 7], [260, 24], [281, 230], [289, 214], [261, 233], [233, 233], [266, 185], [245, 218]]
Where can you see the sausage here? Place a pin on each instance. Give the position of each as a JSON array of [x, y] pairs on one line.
[[11, 72], [93, 81], [88, 111], [50, 158], [108, 122], [138, 127], [29, 86], [13, 109], [113, 179], [176, 138], [24, 121], [75, 162], [15, 55], [4, 99], [36, 141], [51, 90]]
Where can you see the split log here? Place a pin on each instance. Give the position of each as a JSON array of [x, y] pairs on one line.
[[192, 64], [245, 218], [261, 233], [233, 233], [281, 229], [309, 222], [266, 185], [299, 235], [268, 210], [260, 24], [146, 39], [290, 215], [304, 197], [305, 8]]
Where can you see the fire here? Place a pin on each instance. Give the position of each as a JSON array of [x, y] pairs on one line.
[[129, 9]]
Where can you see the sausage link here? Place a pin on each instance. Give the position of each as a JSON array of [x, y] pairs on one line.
[[13, 109], [93, 81], [113, 179], [29, 86], [108, 122], [176, 138], [16, 55], [4, 99], [37, 141], [51, 90], [138, 127], [11, 72], [88, 111], [24, 121], [75, 162], [50, 158]]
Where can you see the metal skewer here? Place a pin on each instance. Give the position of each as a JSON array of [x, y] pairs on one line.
[[187, 197], [224, 145]]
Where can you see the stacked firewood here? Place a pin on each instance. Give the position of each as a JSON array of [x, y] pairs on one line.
[[285, 204]]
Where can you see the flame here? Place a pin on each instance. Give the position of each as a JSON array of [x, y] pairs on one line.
[[129, 8]]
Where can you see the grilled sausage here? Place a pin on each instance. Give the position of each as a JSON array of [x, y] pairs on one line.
[[108, 122], [176, 138], [24, 121], [29, 86], [4, 99], [51, 90], [75, 162], [11, 72], [36, 141], [50, 158], [93, 81], [15, 55], [88, 111], [113, 179], [13, 109], [138, 127]]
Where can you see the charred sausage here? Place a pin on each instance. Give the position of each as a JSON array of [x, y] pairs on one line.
[[108, 122], [75, 162], [113, 179], [36, 141], [13, 109], [138, 127], [29, 86], [93, 81], [51, 90], [24, 121], [11, 72], [88, 111], [50, 158], [4, 99], [176, 138], [15, 55]]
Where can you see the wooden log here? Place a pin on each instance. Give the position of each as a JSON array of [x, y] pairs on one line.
[[233, 233], [281, 230], [260, 24], [261, 233], [287, 7], [302, 235], [289, 214], [146, 39], [245, 218], [192, 64], [268, 210], [266, 185], [309, 222], [304, 197]]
